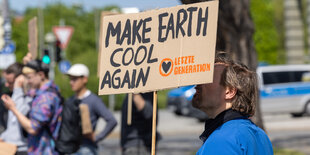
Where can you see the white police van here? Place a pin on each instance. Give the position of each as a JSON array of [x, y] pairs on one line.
[[284, 89]]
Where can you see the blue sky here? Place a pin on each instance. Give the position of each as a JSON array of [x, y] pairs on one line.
[[21, 5]]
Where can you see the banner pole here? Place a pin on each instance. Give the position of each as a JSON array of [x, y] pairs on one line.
[[129, 110], [154, 122]]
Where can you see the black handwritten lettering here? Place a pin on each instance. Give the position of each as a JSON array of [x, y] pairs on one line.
[[170, 27], [129, 31], [189, 28], [124, 56], [146, 30], [113, 31], [143, 77], [118, 79], [133, 79], [136, 57], [126, 33], [106, 80], [135, 31], [200, 20], [179, 25], [126, 80], [113, 63], [130, 55], [118, 82], [161, 27], [149, 60]]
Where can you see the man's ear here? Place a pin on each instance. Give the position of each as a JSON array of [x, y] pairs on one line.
[[42, 75], [230, 93], [85, 79]]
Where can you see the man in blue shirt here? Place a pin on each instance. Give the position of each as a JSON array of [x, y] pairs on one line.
[[229, 102]]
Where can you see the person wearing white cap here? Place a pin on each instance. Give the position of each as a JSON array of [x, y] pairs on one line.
[[78, 75]]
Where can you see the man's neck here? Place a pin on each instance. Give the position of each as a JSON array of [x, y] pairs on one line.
[[212, 113], [43, 82], [80, 93]]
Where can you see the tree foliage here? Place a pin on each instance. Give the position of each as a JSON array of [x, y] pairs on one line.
[[268, 36], [81, 48]]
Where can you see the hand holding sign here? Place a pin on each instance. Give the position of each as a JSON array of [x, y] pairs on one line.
[[28, 57]]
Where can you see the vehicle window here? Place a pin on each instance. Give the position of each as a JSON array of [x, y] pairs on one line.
[[283, 77]]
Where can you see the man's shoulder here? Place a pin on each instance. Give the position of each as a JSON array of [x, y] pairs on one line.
[[235, 124], [235, 129], [73, 97], [92, 98], [50, 91], [243, 126], [220, 138], [239, 123], [227, 132], [240, 131], [48, 96], [237, 136]]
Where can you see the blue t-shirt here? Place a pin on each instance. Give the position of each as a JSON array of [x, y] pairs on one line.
[[237, 137]]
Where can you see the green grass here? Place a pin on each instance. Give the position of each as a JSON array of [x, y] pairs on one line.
[[281, 152], [286, 152]]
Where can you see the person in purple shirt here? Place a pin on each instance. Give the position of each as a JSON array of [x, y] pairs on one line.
[[44, 118], [78, 75]]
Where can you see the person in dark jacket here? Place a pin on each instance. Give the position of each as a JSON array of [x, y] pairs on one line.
[[230, 101], [78, 75], [3, 110], [136, 138]]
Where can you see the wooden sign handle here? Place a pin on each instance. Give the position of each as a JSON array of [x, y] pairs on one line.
[[85, 119], [154, 122], [129, 109]]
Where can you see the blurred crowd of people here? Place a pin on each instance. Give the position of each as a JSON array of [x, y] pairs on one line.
[[32, 105], [32, 112]]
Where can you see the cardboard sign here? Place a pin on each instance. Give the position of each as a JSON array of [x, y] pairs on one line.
[[85, 119], [33, 37], [103, 13], [158, 49], [7, 148]]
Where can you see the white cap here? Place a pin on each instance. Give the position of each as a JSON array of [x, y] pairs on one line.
[[78, 70]]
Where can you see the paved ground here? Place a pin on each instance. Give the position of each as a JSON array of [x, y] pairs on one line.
[[288, 132], [180, 134], [170, 145]]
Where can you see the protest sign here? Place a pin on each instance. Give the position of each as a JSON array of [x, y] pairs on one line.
[[7, 148], [103, 13], [85, 119], [33, 37], [158, 49]]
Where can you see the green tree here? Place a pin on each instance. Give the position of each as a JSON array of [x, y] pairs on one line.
[[82, 47], [266, 36]]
